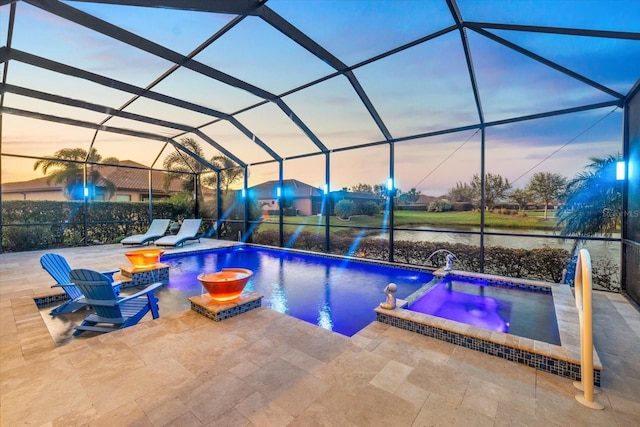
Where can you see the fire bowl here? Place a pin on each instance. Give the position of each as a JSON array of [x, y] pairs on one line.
[[227, 284], [144, 258]]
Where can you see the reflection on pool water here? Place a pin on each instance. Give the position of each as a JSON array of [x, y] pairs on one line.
[[509, 309], [335, 293]]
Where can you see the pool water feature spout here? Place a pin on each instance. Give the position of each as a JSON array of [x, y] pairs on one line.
[[450, 257]]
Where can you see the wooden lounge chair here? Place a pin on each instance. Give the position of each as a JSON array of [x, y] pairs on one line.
[[156, 230], [188, 231], [112, 312], [58, 267]]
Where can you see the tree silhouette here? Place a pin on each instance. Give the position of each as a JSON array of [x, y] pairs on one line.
[[192, 172], [593, 200], [462, 192], [410, 196], [67, 167], [546, 187], [495, 189], [181, 164], [362, 188], [520, 197], [230, 172]]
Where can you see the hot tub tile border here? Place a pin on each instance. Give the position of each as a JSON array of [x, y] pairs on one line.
[[541, 362]]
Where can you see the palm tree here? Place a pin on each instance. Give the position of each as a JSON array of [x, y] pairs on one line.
[[67, 167], [230, 172], [180, 164], [593, 200]]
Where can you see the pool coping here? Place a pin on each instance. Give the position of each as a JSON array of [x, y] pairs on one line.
[[562, 360]]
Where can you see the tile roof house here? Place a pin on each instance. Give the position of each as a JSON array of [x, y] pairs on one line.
[[130, 178], [304, 198]]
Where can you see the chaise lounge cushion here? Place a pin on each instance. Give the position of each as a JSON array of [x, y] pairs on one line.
[[156, 230], [188, 231]]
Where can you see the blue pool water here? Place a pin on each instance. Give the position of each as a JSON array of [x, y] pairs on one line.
[[336, 294], [509, 309]]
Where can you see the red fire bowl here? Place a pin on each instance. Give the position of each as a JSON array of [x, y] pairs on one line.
[[227, 284], [144, 258]]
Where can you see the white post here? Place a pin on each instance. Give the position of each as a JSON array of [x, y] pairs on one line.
[[583, 287]]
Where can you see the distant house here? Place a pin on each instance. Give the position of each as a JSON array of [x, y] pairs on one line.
[[303, 198], [131, 181], [357, 197], [421, 204], [423, 199], [354, 196]]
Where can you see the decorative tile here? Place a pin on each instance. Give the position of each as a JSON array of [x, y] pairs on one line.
[[146, 276], [540, 362], [44, 301], [204, 305]]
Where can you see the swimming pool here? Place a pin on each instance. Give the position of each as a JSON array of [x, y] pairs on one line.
[[526, 312], [334, 293]]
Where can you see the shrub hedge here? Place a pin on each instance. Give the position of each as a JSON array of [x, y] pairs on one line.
[[39, 224], [544, 264], [33, 225]]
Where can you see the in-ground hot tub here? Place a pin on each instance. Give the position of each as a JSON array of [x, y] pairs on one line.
[[557, 357]]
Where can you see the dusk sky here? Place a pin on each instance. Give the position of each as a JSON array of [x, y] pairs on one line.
[[422, 89]]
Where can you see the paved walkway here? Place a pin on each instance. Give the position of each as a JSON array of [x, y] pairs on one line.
[[267, 369]]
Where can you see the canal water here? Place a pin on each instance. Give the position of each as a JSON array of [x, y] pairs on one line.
[[598, 248]]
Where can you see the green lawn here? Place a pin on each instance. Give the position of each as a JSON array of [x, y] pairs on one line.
[[533, 220]]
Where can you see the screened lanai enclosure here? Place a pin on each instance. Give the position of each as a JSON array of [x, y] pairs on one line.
[[506, 133]]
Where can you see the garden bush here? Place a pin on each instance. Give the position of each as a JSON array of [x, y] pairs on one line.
[[344, 209], [441, 205], [462, 206], [18, 239], [62, 223], [544, 264], [369, 208]]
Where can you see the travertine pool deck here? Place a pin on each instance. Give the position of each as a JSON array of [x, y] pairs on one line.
[[263, 368]]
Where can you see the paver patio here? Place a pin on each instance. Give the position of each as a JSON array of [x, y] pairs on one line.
[[263, 368]]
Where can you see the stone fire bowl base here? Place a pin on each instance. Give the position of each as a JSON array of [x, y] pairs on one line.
[[204, 305]]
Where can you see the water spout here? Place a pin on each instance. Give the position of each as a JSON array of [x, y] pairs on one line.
[[239, 236], [449, 254]]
